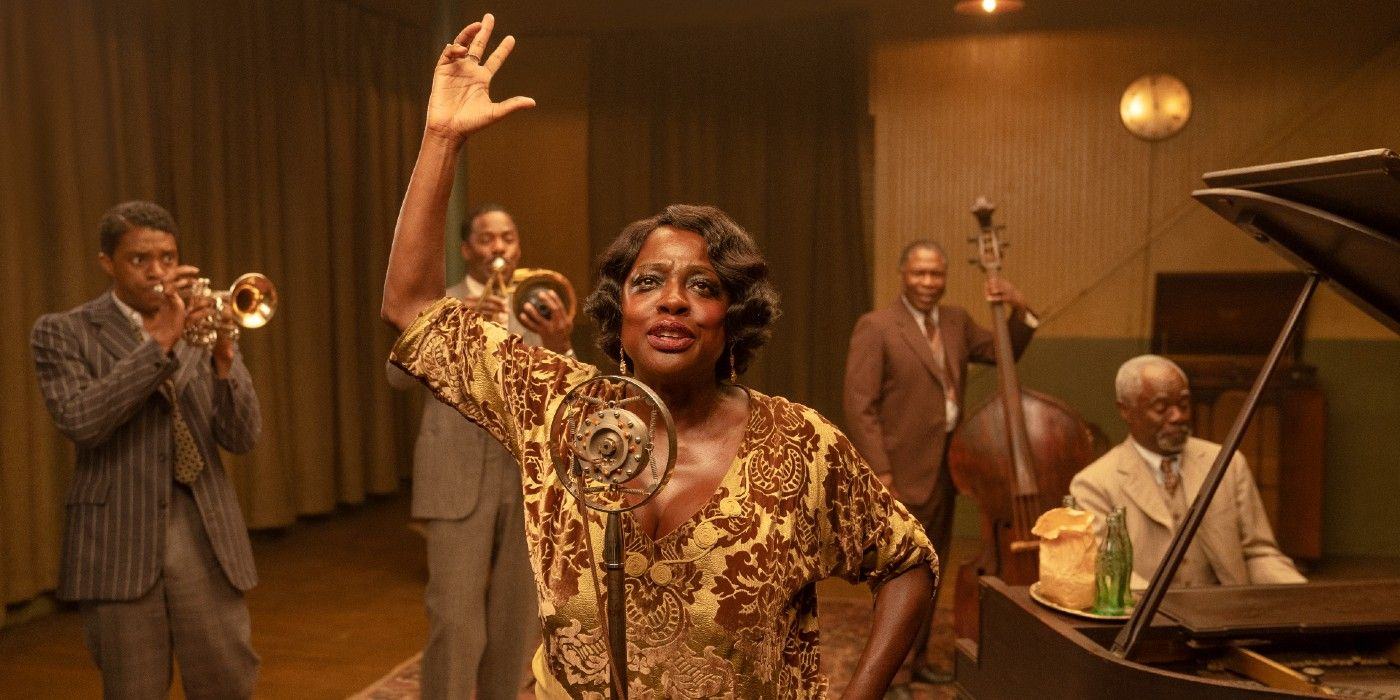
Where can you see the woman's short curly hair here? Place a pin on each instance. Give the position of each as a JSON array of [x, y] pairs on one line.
[[753, 302]]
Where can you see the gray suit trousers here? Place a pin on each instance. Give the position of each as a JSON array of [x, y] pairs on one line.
[[192, 611], [483, 620]]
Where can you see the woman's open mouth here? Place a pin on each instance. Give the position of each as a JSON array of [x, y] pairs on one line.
[[670, 336]]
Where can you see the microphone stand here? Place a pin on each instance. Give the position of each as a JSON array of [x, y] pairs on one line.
[[617, 600], [607, 447]]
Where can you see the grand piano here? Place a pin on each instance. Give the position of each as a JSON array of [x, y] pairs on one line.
[[1338, 220]]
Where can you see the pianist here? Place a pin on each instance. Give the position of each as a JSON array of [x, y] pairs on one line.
[[1155, 475]]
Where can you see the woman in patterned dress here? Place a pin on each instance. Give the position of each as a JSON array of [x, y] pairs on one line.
[[766, 499]]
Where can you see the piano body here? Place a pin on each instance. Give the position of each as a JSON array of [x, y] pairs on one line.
[[1337, 219]]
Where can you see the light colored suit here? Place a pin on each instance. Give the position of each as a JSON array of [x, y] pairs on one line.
[[480, 596], [160, 568], [1235, 537]]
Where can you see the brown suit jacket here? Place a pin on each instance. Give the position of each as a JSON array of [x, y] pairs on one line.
[[894, 391], [1235, 534]]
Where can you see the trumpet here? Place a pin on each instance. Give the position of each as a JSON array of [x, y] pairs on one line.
[[527, 285], [249, 302]]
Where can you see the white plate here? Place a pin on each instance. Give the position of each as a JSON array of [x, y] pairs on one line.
[[1085, 614]]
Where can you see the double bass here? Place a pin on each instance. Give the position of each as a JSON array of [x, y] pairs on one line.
[[1015, 456]]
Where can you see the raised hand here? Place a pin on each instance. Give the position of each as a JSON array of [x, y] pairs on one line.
[[460, 102]]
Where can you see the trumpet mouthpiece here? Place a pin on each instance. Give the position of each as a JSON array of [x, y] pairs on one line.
[[498, 264]]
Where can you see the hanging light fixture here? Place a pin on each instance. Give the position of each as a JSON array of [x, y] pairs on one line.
[[987, 7]]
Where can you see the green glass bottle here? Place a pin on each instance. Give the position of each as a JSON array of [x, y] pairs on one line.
[[1114, 573]]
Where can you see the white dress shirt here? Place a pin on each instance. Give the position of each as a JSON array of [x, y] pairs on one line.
[[1154, 462]]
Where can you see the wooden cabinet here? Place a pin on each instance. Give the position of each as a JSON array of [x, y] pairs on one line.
[[1219, 327], [1284, 446]]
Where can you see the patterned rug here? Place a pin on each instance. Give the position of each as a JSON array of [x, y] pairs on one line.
[[845, 626], [399, 684]]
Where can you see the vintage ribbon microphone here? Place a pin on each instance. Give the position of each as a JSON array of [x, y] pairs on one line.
[[605, 453]]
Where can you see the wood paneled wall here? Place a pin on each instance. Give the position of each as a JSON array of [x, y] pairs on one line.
[[1031, 120]]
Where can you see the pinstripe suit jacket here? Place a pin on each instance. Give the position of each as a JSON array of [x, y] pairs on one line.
[[455, 463], [101, 384]]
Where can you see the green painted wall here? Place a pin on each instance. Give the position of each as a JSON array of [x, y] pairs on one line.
[[1361, 379]]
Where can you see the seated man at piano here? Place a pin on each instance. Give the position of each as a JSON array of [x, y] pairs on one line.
[[1155, 474]]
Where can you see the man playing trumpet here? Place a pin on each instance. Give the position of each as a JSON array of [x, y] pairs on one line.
[[480, 596], [155, 549]]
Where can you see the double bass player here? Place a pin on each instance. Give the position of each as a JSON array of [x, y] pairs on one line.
[[905, 372]]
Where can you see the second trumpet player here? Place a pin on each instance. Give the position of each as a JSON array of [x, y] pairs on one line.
[[466, 490]]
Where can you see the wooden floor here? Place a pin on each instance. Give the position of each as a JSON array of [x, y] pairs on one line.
[[340, 603], [338, 606]]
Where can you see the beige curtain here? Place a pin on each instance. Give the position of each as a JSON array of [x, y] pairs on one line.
[[280, 135], [766, 123]]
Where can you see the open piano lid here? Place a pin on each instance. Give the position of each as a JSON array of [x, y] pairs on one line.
[[1310, 212], [1337, 215]]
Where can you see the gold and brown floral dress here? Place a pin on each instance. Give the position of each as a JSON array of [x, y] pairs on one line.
[[722, 606]]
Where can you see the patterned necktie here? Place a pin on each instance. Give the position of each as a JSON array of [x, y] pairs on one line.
[[1170, 479], [940, 358], [188, 461]]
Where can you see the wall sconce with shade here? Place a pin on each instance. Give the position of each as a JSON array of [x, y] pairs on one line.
[[987, 7]]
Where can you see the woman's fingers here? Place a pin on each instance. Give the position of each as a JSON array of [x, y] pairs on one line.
[[472, 113], [458, 49], [452, 52], [493, 63], [464, 37], [478, 42], [505, 107]]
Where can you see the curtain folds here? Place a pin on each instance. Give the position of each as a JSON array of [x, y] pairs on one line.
[[280, 135], [768, 124]]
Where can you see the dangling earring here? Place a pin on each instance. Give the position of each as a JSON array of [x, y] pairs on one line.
[[621, 361], [733, 373]]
